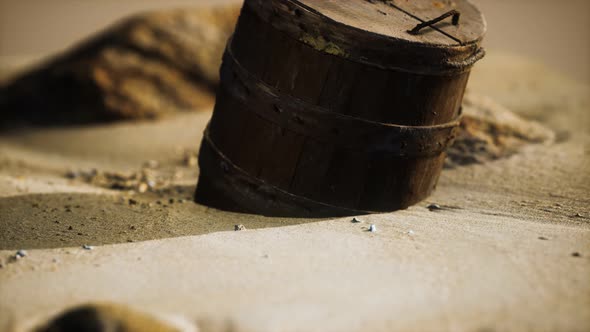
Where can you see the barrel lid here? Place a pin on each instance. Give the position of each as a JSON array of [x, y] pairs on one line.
[[397, 18], [437, 37]]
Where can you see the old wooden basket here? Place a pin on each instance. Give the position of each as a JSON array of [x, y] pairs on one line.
[[337, 107]]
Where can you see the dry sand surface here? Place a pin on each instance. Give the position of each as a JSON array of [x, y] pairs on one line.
[[509, 250]]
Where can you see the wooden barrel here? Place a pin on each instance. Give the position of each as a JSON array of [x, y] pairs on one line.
[[337, 107]]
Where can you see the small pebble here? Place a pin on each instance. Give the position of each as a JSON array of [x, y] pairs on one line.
[[578, 215], [143, 187], [411, 232], [239, 227], [576, 254], [434, 207], [20, 254], [72, 175], [543, 238], [132, 201], [87, 247], [356, 220], [151, 184], [372, 228]]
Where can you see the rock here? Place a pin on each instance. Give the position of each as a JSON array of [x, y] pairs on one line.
[[20, 254], [145, 67], [434, 207], [239, 228], [105, 317], [489, 131]]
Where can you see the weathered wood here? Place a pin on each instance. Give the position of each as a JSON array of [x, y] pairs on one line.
[[336, 115]]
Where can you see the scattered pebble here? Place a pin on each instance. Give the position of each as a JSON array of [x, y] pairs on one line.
[[72, 175], [239, 227], [70, 228], [190, 159], [434, 207], [181, 201], [411, 232], [372, 228], [20, 254], [87, 247], [356, 220], [578, 215], [132, 201], [543, 238], [576, 254], [143, 187], [171, 201]]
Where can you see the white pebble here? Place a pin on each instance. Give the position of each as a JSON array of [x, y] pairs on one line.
[[20, 254], [372, 228], [410, 232], [356, 220], [87, 247]]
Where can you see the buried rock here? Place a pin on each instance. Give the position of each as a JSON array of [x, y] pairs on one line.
[[489, 131], [106, 318], [145, 67]]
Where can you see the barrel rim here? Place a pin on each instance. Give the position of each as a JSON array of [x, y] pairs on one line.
[[481, 17], [316, 31]]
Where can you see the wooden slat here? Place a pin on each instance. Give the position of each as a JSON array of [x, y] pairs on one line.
[[311, 73], [227, 124], [344, 180], [279, 165], [256, 140], [368, 94], [312, 168], [250, 41], [336, 91], [280, 59]]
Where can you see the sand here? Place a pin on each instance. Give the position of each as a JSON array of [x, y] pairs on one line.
[[498, 256]]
